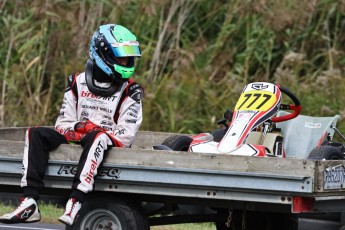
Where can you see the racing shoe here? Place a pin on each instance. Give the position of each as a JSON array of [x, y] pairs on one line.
[[27, 212], [72, 208]]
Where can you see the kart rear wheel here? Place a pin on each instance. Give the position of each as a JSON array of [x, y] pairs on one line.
[[178, 142], [326, 152]]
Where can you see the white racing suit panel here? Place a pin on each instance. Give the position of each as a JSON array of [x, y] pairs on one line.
[[94, 158], [121, 124], [23, 181], [120, 115]]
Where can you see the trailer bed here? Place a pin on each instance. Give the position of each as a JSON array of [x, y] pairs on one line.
[[213, 179]]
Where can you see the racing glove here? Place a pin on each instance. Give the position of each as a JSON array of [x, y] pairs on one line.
[[73, 137], [86, 127]]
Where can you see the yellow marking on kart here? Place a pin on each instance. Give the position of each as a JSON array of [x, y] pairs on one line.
[[256, 101]]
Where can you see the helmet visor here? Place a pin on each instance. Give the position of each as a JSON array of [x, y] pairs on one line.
[[126, 51], [111, 55]]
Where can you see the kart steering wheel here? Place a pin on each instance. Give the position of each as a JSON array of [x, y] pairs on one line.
[[296, 107]]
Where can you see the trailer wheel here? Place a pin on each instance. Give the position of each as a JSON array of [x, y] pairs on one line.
[[111, 213], [178, 142], [326, 152]]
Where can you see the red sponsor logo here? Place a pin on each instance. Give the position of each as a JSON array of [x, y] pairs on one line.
[[88, 94], [89, 175]]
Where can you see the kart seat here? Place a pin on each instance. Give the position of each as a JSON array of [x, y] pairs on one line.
[[303, 133]]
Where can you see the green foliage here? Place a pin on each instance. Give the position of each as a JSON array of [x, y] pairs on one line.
[[51, 212], [197, 55]]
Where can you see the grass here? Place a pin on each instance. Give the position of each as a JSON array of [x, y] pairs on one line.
[[201, 226], [196, 55], [51, 212]]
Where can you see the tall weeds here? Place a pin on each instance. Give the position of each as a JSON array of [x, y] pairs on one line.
[[197, 55]]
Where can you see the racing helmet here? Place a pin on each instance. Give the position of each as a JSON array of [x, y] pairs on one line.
[[110, 42]]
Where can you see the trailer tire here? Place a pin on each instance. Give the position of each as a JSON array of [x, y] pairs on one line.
[[178, 142], [326, 152], [109, 213]]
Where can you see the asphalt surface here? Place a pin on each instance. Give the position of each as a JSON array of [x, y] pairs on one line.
[[33, 226]]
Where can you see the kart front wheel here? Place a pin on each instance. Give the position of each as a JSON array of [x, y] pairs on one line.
[[218, 134], [178, 142], [326, 152]]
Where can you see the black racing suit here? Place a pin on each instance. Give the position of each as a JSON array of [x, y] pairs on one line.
[[119, 116]]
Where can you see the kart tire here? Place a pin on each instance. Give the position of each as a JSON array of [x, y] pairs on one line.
[[178, 142], [218, 134], [326, 152], [104, 213]]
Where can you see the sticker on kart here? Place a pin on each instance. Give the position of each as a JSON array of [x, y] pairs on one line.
[[258, 102]]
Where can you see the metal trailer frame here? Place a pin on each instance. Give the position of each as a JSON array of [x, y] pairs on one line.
[[212, 180]]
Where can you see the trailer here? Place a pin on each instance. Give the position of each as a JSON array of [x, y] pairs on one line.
[[140, 187]]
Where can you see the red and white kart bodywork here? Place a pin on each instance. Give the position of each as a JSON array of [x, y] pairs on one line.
[[256, 128], [259, 102]]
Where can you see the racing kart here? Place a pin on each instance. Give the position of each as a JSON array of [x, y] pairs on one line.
[[260, 126]]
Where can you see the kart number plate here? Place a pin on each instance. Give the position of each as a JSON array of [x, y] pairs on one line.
[[256, 101], [334, 177]]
